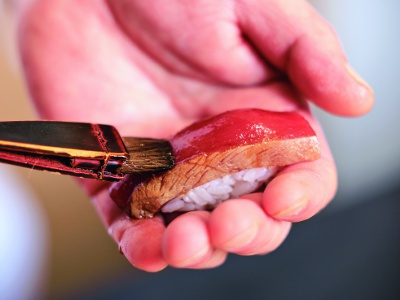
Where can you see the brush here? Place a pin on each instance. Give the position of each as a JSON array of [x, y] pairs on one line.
[[81, 149]]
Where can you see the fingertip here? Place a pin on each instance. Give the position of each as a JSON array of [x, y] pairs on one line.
[[240, 226], [186, 242], [290, 205], [230, 226], [323, 76], [140, 242], [365, 91], [301, 191]]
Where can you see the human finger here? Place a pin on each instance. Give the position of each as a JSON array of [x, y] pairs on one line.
[[139, 240], [296, 40], [301, 190], [186, 243], [241, 226]]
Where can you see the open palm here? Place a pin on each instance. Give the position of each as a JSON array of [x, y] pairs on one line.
[[151, 67]]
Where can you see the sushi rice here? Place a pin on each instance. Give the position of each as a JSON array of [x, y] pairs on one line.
[[214, 192]]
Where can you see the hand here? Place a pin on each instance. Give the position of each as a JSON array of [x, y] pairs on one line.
[[151, 67]]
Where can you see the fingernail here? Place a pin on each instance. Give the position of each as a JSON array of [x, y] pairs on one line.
[[358, 78], [293, 210], [241, 239]]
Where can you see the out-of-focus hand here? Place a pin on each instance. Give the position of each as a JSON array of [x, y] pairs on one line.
[[151, 67]]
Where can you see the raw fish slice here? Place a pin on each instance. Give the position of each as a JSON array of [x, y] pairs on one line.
[[218, 147]]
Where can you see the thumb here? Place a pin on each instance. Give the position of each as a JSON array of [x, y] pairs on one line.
[[293, 37]]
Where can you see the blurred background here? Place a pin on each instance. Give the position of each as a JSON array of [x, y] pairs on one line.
[[59, 249]]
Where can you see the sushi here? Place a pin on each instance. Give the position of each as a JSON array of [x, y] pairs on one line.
[[220, 158]]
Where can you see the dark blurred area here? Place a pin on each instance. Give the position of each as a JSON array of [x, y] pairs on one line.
[[350, 255], [349, 251]]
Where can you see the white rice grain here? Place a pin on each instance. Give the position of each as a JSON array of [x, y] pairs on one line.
[[214, 192]]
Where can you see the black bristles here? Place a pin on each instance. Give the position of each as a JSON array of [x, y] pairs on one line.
[[147, 155]]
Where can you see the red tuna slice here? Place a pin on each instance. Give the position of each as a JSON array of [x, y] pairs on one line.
[[221, 145]]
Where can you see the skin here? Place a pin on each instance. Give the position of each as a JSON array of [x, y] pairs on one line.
[[152, 67]]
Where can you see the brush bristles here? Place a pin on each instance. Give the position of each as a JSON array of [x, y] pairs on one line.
[[147, 155]]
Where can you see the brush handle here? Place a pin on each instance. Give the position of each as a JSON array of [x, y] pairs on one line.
[[80, 149]]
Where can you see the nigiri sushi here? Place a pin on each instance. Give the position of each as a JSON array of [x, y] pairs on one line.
[[220, 158]]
